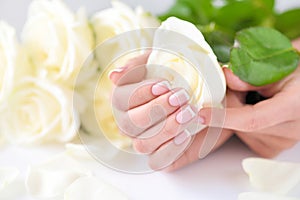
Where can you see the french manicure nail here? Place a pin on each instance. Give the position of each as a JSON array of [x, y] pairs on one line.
[[179, 98], [185, 115], [117, 70], [181, 138], [161, 88], [201, 120]]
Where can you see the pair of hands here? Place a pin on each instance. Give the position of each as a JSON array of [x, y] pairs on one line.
[[158, 118]]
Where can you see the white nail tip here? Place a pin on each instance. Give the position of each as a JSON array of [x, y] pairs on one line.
[[181, 96], [190, 111], [119, 70], [165, 84], [157, 88], [185, 115], [187, 132]]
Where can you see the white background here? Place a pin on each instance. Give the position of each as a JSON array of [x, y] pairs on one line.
[[219, 176], [14, 11]]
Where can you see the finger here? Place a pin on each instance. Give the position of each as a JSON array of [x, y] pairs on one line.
[[157, 110], [133, 72], [170, 152], [235, 83], [155, 136], [189, 155], [264, 145], [137, 120], [130, 96], [251, 118], [296, 44], [288, 130]]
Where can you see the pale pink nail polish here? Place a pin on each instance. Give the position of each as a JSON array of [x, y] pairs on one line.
[[201, 120], [179, 98], [181, 138], [161, 88], [185, 115], [117, 70]]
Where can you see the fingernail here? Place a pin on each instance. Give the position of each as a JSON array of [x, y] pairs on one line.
[[181, 138], [201, 120], [185, 115], [117, 70], [179, 98], [161, 88]]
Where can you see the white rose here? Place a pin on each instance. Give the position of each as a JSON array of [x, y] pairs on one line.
[[107, 24], [8, 56], [58, 41], [13, 64], [189, 62], [119, 19], [13, 60], [38, 111]]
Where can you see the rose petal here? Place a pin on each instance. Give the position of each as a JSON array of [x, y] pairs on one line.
[[119, 19], [272, 176], [190, 64], [77, 151], [7, 176], [92, 188], [51, 178], [59, 54], [263, 196]]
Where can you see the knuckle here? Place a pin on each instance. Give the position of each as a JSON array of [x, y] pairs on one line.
[[139, 95], [170, 131], [117, 94], [139, 146], [126, 126], [253, 123]]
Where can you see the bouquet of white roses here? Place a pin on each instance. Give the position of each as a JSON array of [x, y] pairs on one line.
[[38, 75]]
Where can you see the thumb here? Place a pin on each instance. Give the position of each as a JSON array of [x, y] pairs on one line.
[[236, 84], [249, 118], [134, 71]]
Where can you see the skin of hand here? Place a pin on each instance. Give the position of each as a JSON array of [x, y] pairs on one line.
[[270, 126], [147, 112]]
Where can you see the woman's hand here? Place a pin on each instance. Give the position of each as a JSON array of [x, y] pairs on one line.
[[160, 120], [269, 126]]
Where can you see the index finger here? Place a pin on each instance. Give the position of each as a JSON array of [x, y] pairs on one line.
[[133, 72], [251, 118]]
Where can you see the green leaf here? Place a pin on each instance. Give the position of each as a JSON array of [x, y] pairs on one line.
[[262, 56], [237, 15], [195, 11], [181, 10], [288, 23], [220, 39]]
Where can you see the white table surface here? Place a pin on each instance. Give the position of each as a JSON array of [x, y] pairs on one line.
[[218, 176]]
